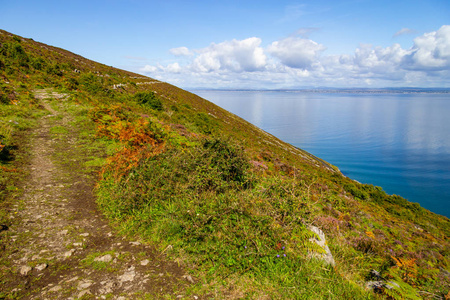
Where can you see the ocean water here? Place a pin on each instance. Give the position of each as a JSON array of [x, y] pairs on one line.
[[400, 142]]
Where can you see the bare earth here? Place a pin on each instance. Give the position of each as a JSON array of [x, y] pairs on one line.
[[61, 247]]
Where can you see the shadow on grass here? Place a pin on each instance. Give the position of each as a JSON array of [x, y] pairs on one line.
[[6, 154]]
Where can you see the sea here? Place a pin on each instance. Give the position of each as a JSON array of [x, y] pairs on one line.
[[396, 139]]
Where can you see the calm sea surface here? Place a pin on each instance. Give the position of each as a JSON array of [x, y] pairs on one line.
[[400, 142]]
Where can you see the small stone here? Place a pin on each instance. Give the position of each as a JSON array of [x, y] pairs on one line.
[[55, 288], [145, 262], [72, 279], [24, 270], [104, 258], [84, 285], [64, 232], [121, 298], [78, 244], [41, 267], [135, 243], [69, 253], [188, 278], [84, 234], [127, 276], [375, 285]]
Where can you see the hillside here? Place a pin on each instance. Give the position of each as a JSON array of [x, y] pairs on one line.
[[233, 205]]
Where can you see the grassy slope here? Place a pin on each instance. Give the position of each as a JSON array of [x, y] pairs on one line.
[[220, 195]]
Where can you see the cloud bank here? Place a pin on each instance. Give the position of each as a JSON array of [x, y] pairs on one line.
[[297, 61]]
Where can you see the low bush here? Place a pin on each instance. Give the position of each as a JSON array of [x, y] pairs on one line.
[[149, 99]]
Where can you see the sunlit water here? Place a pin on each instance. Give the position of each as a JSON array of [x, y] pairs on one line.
[[400, 142]]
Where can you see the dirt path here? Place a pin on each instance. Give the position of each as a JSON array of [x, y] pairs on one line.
[[62, 248]]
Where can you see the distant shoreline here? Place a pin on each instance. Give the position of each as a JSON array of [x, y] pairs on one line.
[[339, 90]]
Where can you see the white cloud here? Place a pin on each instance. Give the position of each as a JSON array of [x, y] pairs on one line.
[[173, 68], [181, 51], [305, 32], [148, 69], [431, 51], [296, 52], [297, 62], [235, 55], [379, 60], [404, 31]]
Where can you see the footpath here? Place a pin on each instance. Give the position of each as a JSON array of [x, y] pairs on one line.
[[60, 246]]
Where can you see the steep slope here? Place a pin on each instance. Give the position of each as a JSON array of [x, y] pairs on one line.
[[223, 198]]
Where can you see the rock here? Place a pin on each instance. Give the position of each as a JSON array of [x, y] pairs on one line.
[[135, 243], [55, 288], [69, 253], [84, 285], [64, 232], [127, 276], [104, 258], [327, 257], [72, 279], [41, 267], [145, 262], [24, 270], [375, 285], [375, 274], [107, 287], [188, 278]]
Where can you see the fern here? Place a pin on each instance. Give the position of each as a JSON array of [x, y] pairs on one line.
[[401, 290]]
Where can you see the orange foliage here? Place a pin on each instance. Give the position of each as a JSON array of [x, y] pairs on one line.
[[370, 234], [7, 169], [137, 140], [407, 269]]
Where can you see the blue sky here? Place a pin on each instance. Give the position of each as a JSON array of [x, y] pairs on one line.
[[250, 44]]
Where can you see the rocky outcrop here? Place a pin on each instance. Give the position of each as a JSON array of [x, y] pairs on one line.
[[321, 241]]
